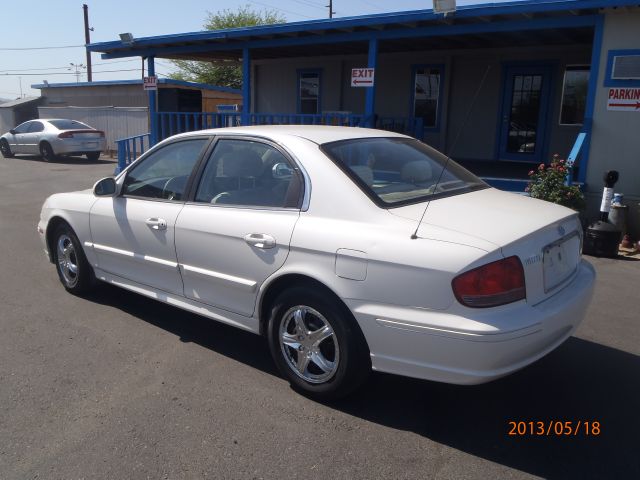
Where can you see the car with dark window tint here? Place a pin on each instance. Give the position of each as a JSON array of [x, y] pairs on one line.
[[51, 138], [349, 249]]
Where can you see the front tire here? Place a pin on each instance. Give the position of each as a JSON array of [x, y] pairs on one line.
[[46, 152], [5, 148], [317, 344], [93, 156], [74, 271]]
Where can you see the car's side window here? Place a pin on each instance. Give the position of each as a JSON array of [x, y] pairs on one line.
[[164, 173], [36, 127], [249, 173], [23, 127]]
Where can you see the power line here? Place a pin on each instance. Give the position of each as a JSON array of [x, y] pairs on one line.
[[42, 48], [17, 70], [309, 4], [371, 4], [280, 9], [63, 73]]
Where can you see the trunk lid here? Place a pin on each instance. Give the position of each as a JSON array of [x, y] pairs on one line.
[[546, 237]]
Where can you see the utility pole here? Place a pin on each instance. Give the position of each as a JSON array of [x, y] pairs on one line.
[[77, 67], [87, 39], [330, 6]]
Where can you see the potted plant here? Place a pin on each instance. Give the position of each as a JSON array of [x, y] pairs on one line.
[[549, 182]]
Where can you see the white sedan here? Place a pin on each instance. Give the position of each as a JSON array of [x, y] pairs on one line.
[[53, 137], [348, 248]]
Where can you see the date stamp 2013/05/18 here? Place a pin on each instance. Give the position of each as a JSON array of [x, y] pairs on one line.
[[556, 428]]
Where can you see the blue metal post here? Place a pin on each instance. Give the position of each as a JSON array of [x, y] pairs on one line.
[[122, 156], [246, 86], [587, 127], [370, 103], [153, 117]]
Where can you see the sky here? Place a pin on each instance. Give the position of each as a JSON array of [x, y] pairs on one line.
[[60, 24]]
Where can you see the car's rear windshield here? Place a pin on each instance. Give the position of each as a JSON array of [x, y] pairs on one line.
[[399, 171], [68, 124]]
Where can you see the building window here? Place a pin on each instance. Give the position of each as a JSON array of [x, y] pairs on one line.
[[427, 89], [574, 95], [308, 91]]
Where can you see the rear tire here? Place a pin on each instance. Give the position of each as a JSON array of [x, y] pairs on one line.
[[46, 152], [93, 156], [74, 271], [317, 344], [5, 148]]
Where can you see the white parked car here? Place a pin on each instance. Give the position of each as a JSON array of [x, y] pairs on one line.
[[51, 138], [348, 248]]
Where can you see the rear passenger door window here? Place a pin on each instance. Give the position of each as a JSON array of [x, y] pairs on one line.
[[251, 174]]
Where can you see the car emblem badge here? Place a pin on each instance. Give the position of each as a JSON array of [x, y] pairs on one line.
[[561, 230]]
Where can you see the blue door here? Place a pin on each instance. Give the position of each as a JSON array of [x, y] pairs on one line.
[[525, 108]]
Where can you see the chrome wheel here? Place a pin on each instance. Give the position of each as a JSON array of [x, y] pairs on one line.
[[46, 152], [67, 260], [309, 344]]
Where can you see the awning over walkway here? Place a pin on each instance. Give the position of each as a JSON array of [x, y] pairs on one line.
[[476, 25]]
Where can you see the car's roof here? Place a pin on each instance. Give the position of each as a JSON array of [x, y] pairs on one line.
[[57, 119], [316, 133]]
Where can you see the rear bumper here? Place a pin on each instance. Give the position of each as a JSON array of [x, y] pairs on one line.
[[77, 147], [415, 343]]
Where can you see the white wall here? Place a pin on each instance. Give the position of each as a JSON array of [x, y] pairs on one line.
[[615, 141]]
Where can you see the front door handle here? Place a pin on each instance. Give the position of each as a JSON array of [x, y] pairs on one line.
[[260, 240], [156, 223]]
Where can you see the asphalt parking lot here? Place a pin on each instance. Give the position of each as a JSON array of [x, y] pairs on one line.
[[115, 385]]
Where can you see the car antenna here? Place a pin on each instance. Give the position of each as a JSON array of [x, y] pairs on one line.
[[453, 146]]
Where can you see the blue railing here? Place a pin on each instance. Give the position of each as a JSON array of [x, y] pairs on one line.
[[413, 126], [336, 119], [574, 155], [172, 123], [131, 148]]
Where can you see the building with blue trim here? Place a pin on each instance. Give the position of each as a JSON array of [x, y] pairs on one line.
[[500, 87]]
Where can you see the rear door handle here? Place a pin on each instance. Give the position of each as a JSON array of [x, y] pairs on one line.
[[156, 223], [260, 240]]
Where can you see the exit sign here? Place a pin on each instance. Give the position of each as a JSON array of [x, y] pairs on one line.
[[362, 77]]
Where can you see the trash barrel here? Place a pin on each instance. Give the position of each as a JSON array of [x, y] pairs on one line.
[[601, 239]]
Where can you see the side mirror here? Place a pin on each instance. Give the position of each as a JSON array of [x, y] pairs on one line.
[[12, 131], [105, 188], [281, 171]]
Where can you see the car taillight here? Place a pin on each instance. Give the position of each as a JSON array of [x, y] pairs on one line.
[[490, 285], [69, 134]]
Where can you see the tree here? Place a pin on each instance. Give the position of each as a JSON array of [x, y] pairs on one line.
[[220, 74]]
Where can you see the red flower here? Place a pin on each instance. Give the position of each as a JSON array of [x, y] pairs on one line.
[[541, 166], [531, 172]]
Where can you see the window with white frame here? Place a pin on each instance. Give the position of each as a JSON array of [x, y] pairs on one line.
[[426, 94], [574, 94], [309, 91]]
